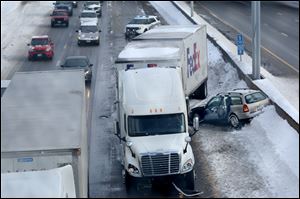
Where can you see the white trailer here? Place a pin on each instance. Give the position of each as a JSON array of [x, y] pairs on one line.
[[52, 183], [43, 124], [153, 126], [171, 46]]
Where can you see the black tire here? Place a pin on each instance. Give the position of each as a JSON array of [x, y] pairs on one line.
[[201, 92], [234, 121], [29, 59], [190, 180], [128, 181], [67, 24], [186, 182], [78, 43], [52, 24]]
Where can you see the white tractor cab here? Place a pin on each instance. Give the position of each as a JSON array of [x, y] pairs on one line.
[[52, 183], [88, 33], [152, 127]]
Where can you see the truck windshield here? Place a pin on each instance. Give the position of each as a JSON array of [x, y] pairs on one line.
[[156, 124]]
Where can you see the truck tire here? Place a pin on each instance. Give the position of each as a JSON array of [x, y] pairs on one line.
[[52, 24], [190, 180], [67, 24], [128, 181], [201, 92]]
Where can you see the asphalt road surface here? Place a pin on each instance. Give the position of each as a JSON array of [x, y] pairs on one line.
[[279, 31]]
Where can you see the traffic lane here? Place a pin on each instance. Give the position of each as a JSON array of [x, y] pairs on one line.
[[105, 170], [276, 41], [63, 39]]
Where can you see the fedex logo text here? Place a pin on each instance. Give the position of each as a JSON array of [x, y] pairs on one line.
[[193, 60]]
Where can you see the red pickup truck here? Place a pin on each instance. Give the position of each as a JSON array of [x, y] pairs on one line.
[[59, 17], [40, 47]]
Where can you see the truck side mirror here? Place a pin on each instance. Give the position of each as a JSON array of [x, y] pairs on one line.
[[28, 44], [188, 140], [117, 129], [196, 123], [91, 65], [76, 31]]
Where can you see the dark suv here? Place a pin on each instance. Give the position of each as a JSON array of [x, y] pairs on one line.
[[67, 7], [59, 17]]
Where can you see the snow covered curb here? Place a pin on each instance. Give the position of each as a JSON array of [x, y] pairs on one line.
[[245, 66]]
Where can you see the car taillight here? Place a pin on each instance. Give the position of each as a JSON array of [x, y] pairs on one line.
[[152, 65], [245, 108]]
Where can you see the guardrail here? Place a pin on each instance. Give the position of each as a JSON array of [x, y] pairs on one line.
[[282, 113]]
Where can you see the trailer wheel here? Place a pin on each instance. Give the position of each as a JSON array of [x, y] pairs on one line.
[[203, 90]]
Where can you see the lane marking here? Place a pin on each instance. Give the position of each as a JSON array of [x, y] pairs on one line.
[[247, 37], [282, 33], [65, 46], [58, 63]]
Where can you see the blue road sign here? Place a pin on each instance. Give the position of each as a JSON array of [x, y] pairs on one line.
[[240, 44], [239, 39]]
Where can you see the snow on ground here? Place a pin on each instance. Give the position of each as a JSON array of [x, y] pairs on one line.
[[18, 24], [261, 159]]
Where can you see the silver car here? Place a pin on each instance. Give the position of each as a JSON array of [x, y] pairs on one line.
[[88, 33], [233, 107]]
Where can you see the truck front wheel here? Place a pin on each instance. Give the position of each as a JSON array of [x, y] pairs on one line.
[[190, 180], [128, 181]]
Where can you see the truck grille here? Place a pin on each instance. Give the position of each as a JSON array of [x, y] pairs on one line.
[[160, 164]]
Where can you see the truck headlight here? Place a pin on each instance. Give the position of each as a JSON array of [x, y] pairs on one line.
[[48, 49], [188, 165], [133, 169]]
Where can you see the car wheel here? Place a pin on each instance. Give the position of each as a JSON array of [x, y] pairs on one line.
[[78, 43], [234, 121], [29, 59], [52, 24], [67, 24]]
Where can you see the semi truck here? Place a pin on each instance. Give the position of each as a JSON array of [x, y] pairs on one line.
[[181, 46], [52, 183], [152, 127], [43, 124]]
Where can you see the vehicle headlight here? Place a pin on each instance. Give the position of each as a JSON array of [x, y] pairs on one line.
[[96, 38], [187, 166], [48, 49], [133, 169]]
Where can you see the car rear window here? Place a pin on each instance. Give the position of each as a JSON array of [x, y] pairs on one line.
[[88, 15], [35, 42], [59, 13], [254, 97]]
